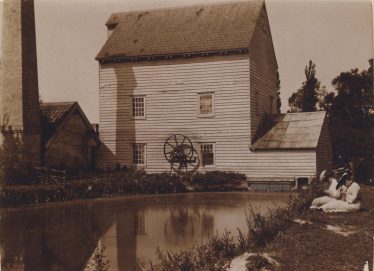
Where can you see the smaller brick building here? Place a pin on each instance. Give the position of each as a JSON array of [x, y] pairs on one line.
[[69, 141]]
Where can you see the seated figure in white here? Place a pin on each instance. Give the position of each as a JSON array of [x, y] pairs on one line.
[[338, 199]]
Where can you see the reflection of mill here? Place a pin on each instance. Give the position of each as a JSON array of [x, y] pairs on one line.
[[129, 226], [64, 239], [187, 224], [51, 238]]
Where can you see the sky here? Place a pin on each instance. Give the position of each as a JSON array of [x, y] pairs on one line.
[[337, 35]]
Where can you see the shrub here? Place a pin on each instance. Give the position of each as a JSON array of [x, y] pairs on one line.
[[162, 183], [106, 184], [218, 180]]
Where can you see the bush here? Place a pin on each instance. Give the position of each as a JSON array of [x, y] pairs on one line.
[[107, 184], [218, 180]]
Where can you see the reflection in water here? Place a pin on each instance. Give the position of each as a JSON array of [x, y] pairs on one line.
[[67, 236]]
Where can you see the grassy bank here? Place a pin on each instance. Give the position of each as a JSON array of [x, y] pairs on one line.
[[294, 237], [117, 183]]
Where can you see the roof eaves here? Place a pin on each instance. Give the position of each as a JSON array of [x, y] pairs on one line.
[[123, 58], [282, 149]]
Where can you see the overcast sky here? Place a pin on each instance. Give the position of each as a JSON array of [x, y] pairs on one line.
[[336, 35]]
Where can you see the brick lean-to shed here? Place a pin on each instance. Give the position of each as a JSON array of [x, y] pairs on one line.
[[68, 139], [208, 72]]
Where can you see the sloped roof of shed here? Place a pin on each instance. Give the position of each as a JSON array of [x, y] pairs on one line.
[[293, 131], [54, 113], [200, 28]]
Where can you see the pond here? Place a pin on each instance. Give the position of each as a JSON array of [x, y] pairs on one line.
[[127, 230]]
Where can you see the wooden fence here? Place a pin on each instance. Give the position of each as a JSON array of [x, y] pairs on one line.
[[47, 175]]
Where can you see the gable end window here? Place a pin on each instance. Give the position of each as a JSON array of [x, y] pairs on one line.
[[138, 107], [207, 151], [138, 154], [206, 104]]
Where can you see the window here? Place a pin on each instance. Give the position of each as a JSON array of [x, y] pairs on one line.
[[206, 104], [207, 154], [138, 154], [138, 107]]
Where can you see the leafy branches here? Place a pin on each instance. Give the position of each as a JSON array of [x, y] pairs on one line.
[[306, 98]]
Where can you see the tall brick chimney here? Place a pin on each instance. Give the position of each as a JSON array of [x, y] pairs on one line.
[[19, 94]]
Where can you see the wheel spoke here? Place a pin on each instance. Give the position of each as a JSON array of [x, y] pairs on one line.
[[175, 139]]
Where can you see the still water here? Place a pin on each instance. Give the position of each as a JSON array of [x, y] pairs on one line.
[[128, 230]]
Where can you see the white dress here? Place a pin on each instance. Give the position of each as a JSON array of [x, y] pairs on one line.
[[332, 203]]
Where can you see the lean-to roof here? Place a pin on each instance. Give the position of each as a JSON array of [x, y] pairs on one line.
[[293, 131]]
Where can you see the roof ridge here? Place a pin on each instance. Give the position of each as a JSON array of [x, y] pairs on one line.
[[224, 2]]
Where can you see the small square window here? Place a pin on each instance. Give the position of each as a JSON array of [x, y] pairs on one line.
[[138, 107], [206, 104], [207, 154], [138, 154]]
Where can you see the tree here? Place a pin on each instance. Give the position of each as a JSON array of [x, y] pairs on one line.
[[351, 113], [354, 99], [306, 98]]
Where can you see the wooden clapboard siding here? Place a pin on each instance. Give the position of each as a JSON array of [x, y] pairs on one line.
[[171, 88], [324, 149], [283, 164], [263, 67], [243, 86]]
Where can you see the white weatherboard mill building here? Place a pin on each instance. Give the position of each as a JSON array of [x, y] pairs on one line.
[[208, 72]]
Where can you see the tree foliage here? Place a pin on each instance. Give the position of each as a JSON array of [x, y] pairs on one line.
[[305, 99], [351, 113]]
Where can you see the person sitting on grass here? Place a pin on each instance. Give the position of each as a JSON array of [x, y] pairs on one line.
[[341, 195]]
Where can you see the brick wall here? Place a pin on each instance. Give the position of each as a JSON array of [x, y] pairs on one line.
[[19, 95], [70, 147]]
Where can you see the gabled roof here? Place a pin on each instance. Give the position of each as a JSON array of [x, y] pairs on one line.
[[293, 131], [54, 115], [199, 28]]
